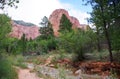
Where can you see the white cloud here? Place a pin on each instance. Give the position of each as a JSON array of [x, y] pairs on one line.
[[34, 10]]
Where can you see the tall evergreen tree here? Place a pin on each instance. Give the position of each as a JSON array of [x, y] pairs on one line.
[[65, 24], [46, 30], [23, 43]]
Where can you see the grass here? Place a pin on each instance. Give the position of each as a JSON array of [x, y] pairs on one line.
[[17, 60], [62, 73], [103, 55], [41, 59], [97, 56], [7, 71]]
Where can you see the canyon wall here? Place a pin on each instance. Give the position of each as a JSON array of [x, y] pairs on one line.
[[55, 18], [31, 32]]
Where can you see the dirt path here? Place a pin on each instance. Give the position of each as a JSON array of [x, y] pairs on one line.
[[26, 74]]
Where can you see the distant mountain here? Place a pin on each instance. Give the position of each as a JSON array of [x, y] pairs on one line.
[[20, 22], [19, 28]]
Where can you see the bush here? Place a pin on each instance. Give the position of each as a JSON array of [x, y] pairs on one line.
[[17, 60], [52, 44], [77, 41], [47, 45], [6, 69]]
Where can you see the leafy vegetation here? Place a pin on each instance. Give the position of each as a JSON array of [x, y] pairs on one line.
[[6, 69], [71, 45], [65, 24], [105, 14]]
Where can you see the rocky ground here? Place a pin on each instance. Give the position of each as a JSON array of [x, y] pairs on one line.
[[53, 73], [83, 70], [26, 74]]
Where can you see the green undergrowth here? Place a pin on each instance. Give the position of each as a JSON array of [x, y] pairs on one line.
[[17, 60], [55, 56], [7, 71], [102, 55]]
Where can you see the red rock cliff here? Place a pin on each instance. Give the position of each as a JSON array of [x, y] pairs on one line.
[[55, 20], [31, 32]]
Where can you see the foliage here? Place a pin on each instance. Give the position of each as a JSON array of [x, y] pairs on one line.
[[47, 45], [11, 46], [46, 30], [7, 44], [104, 15], [115, 35], [5, 29], [23, 44], [11, 3], [46, 41], [5, 26], [44, 22], [6, 69], [77, 41], [65, 24]]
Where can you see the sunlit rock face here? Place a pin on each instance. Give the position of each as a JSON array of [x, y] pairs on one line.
[[55, 18], [75, 22], [31, 32]]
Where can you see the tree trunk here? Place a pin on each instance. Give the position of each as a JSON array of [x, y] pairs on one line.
[[98, 41], [108, 42], [106, 34]]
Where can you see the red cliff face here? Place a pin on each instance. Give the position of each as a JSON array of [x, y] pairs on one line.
[[75, 22], [31, 32], [55, 20]]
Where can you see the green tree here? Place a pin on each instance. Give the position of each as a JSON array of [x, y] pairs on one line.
[[5, 29], [76, 41], [23, 43], [65, 24], [104, 13], [46, 30], [115, 26], [115, 35], [44, 22], [6, 69]]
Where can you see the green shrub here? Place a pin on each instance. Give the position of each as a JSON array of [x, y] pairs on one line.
[[47, 45], [52, 43], [77, 41], [17, 60], [43, 46], [6, 69]]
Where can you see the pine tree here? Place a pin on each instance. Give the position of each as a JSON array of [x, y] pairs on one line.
[[65, 24], [46, 30]]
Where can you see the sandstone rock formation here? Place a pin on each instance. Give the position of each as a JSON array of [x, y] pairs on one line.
[[55, 20], [75, 22], [31, 32]]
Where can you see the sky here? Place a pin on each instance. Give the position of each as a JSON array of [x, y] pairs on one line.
[[34, 10]]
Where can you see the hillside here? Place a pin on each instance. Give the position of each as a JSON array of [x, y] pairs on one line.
[[20, 22], [20, 27]]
